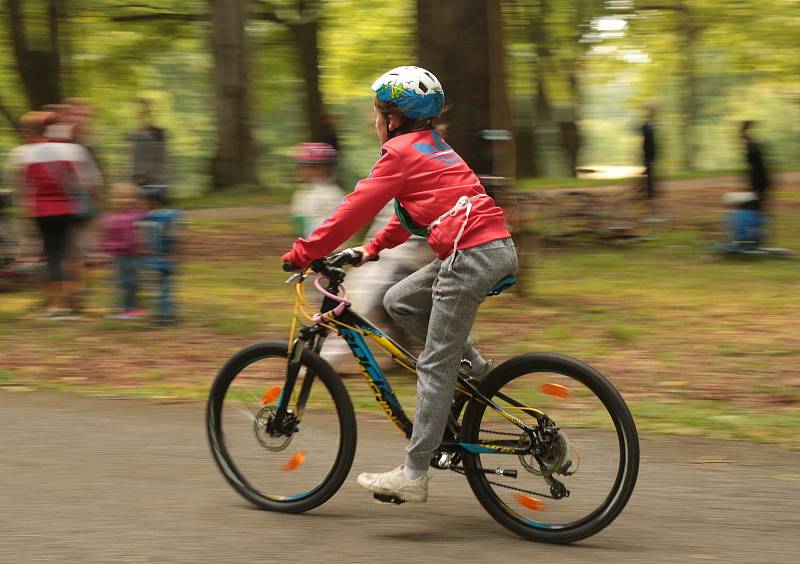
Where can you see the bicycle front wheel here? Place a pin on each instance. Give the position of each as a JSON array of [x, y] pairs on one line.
[[579, 464], [279, 470]]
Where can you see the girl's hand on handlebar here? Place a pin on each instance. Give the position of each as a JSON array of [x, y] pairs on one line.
[[365, 256]]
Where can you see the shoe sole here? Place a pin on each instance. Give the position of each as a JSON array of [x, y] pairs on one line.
[[391, 497], [380, 498]]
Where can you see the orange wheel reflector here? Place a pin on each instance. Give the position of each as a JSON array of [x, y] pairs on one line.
[[271, 395], [529, 502], [295, 462], [555, 390]]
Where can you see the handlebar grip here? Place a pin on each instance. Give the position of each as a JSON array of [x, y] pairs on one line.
[[347, 256], [289, 267]]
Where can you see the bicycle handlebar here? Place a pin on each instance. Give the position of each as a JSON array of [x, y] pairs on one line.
[[330, 267]]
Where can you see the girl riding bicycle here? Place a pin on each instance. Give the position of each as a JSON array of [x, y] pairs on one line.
[[436, 195]]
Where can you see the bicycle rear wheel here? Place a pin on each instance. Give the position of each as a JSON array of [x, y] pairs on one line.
[[592, 450], [290, 472]]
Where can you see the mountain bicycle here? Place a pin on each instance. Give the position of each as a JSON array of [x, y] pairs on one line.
[[546, 443]]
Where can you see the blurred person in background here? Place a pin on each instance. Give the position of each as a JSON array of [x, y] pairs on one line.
[[318, 193], [367, 287], [160, 236], [149, 150], [315, 199], [758, 174], [437, 196], [47, 171], [120, 240], [648, 130]]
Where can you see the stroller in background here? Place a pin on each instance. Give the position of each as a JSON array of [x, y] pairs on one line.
[[747, 228]]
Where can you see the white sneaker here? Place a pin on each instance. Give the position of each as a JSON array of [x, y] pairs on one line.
[[395, 484]]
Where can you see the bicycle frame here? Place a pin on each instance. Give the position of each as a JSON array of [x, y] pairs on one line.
[[352, 327]]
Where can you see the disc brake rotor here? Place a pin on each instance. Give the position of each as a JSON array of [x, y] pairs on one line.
[[265, 438]]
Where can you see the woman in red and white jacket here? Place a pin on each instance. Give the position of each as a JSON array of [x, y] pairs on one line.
[[438, 196], [48, 173]]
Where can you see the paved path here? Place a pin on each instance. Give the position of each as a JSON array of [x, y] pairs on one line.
[[104, 480]]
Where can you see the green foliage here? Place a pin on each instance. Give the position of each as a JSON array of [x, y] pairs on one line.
[[746, 57], [747, 63]]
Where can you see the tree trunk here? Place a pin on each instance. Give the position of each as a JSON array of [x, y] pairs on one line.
[[235, 160], [39, 69], [499, 102], [571, 140], [305, 34], [690, 102], [454, 44], [543, 111]]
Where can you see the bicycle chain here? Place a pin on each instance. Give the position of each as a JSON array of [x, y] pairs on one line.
[[460, 470]]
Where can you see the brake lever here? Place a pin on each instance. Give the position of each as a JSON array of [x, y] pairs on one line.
[[294, 277]]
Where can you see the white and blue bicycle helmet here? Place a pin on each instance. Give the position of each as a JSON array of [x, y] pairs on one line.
[[416, 92]]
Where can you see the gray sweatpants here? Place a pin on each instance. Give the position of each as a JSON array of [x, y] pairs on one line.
[[438, 305]]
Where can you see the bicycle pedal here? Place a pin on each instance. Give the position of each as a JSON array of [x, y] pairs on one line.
[[383, 498]]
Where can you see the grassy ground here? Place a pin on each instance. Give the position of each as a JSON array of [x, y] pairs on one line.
[[698, 345]]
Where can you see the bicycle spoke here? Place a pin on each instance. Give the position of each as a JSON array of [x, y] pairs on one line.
[[279, 462], [570, 456]]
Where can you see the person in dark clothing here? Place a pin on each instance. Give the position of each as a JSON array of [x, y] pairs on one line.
[[649, 153], [570, 139], [149, 150], [759, 177]]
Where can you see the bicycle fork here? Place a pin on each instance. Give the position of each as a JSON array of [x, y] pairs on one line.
[[286, 420]]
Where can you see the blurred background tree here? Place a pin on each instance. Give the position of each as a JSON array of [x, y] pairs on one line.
[[462, 44], [236, 83]]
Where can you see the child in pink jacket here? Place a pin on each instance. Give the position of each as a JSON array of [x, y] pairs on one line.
[[119, 229], [436, 195]]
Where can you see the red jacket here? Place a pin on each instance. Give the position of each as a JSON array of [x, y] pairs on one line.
[[50, 173], [427, 178]]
